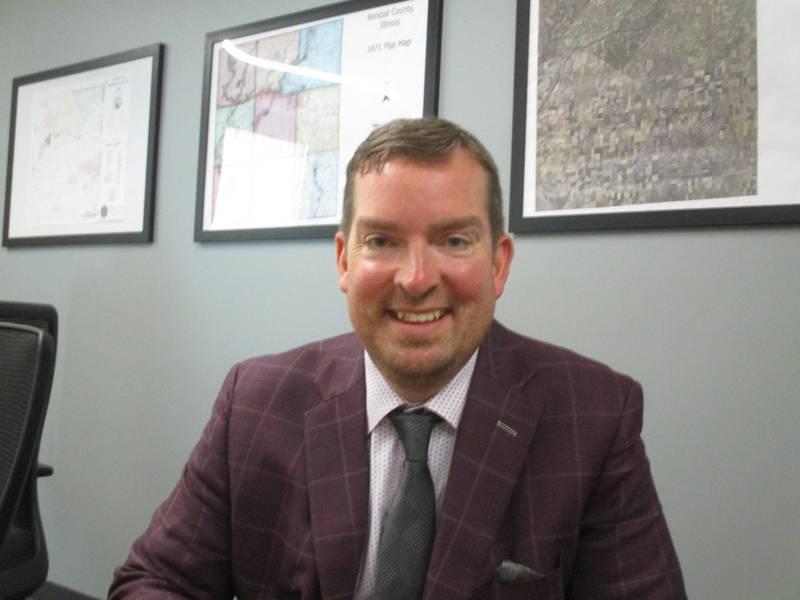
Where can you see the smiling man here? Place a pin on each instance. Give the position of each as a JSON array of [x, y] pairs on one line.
[[422, 267], [431, 453]]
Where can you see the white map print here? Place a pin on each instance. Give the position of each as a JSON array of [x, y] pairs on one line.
[[77, 162]]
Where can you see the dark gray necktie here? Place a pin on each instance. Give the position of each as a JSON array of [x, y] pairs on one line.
[[410, 524]]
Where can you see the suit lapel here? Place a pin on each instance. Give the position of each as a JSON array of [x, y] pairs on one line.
[[337, 465], [494, 436]]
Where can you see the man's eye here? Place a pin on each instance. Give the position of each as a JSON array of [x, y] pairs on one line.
[[376, 242], [456, 242]]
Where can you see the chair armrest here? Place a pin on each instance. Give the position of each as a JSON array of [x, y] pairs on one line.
[[43, 470]]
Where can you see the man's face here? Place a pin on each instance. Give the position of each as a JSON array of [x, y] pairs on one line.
[[420, 271]]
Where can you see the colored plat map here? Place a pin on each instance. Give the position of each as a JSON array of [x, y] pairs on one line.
[[286, 110]]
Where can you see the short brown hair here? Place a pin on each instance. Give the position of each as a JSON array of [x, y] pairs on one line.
[[427, 141]]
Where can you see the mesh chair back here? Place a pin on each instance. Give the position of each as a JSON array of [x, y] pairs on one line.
[[42, 316], [27, 358]]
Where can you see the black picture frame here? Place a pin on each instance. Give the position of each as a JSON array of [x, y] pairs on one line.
[[95, 127], [756, 209], [366, 31]]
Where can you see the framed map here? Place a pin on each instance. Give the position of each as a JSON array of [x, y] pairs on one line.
[[82, 152], [286, 101], [644, 113]]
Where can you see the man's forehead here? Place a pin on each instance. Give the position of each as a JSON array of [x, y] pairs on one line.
[[457, 159], [458, 168], [377, 164]]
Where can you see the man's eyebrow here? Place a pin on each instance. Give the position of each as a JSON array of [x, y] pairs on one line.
[[370, 223], [471, 222]]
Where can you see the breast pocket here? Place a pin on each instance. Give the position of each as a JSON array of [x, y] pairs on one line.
[[547, 586]]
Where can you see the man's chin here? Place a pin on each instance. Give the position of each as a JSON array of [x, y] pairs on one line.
[[425, 367]]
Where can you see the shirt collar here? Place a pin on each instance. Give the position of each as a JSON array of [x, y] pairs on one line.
[[448, 403]]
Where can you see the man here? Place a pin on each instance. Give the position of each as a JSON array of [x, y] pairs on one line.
[[541, 487]]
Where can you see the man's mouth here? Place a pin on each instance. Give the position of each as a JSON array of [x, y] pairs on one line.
[[418, 317]]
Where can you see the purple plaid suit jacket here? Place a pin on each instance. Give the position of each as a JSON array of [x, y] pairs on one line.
[[273, 501]]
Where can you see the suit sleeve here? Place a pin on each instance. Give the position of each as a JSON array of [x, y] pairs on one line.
[[185, 551], [625, 550]]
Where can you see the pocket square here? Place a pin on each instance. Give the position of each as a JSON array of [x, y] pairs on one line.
[[511, 572]]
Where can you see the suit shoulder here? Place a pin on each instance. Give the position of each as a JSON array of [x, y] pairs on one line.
[[553, 364], [345, 346], [569, 383], [314, 370]]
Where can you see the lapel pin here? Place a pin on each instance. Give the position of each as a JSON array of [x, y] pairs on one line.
[[505, 428]]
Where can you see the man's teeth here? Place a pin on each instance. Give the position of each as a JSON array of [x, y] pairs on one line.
[[410, 317]]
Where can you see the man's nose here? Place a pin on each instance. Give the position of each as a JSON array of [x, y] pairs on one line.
[[418, 272]]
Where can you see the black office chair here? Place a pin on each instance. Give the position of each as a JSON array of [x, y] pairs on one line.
[[27, 359], [42, 316]]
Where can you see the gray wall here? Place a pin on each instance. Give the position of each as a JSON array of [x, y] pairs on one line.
[[706, 319]]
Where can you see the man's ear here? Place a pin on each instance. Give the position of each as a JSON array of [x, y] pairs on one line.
[[341, 260], [503, 253]]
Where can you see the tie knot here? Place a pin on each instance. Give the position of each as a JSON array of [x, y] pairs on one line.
[[414, 429]]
